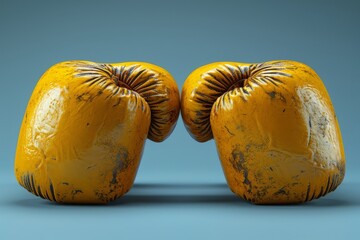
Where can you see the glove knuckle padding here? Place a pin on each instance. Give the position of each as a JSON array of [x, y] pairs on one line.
[[201, 89], [157, 88], [85, 126], [276, 131]]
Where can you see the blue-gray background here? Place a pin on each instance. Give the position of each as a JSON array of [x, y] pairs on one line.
[[180, 191]]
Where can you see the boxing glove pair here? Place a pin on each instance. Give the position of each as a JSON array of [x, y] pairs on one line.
[[85, 126]]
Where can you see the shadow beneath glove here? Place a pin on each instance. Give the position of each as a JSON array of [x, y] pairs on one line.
[[219, 193], [144, 194]]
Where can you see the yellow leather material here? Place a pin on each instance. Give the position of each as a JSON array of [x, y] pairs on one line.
[[274, 125], [85, 126]]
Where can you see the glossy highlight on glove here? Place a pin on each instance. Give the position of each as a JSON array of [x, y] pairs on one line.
[[85, 127], [274, 126]]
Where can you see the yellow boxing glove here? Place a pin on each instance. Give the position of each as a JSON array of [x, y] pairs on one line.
[[85, 126], [274, 125]]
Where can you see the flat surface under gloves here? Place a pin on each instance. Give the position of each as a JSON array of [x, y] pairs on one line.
[[156, 208]]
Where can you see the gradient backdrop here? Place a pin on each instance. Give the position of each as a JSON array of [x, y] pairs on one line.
[[180, 191]]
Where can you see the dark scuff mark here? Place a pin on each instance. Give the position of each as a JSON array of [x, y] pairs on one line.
[[240, 128], [75, 192], [255, 146], [87, 124], [65, 183], [238, 159], [281, 191], [246, 179], [239, 163], [87, 97], [282, 98], [102, 197], [121, 163], [284, 110], [341, 168], [323, 124], [261, 193], [227, 129], [91, 166], [295, 177], [272, 94], [271, 169]]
